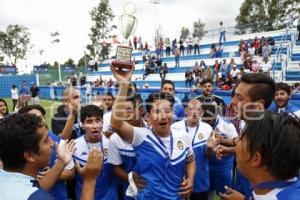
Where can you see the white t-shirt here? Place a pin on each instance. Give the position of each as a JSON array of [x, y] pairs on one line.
[[14, 93]]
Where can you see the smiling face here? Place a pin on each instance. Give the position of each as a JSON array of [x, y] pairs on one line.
[[93, 128], [161, 117], [3, 108], [281, 98], [168, 88], [45, 148], [194, 111]]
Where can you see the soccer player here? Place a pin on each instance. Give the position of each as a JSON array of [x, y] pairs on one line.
[[121, 154], [165, 159], [254, 93], [282, 96], [53, 177], [220, 170], [91, 119], [199, 132], [268, 156]]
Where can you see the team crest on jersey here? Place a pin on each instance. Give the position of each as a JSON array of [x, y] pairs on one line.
[[105, 152], [180, 145], [200, 136]]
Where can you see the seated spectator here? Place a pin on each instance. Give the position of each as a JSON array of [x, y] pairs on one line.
[[271, 41], [255, 67], [266, 67], [202, 64], [163, 71], [219, 51], [234, 72]]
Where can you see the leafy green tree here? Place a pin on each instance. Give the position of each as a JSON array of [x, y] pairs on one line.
[[69, 62], [184, 33], [101, 16], [83, 61], [198, 29], [265, 15], [14, 43]]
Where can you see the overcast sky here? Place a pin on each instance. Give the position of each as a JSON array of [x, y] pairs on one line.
[[72, 20]]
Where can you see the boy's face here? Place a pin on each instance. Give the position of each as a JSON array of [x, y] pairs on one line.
[[92, 127], [161, 116], [281, 98], [207, 88], [168, 88], [194, 111], [45, 148]]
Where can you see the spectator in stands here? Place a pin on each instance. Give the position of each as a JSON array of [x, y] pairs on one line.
[[213, 52], [196, 45], [181, 47], [146, 47], [208, 73], [272, 164], [256, 45], [219, 52], [298, 28], [224, 68], [34, 92], [203, 65], [135, 42], [168, 46], [266, 51], [14, 95], [207, 96], [190, 45], [234, 72], [177, 56], [174, 45], [281, 100], [266, 67], [222, 31], [163, 71], [110, 83], [188, 78], [3, 109], [296, 88], [271, 41], [108, 100], [140, 44]]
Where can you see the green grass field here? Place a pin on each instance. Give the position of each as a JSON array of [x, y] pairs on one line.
[[50, 107]]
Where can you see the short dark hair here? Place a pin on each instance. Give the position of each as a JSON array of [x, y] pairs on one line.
[[158, 96], [28, 108], [206, 81], [209, 111], [2, 100], [108, 94], [276, 137], [90, 111], [167, 82], [263, 87], [18, 134], [283, 86]]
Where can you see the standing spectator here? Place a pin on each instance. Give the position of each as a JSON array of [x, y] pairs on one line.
[[14, 95], [163, 71], [256, 45], [89, 93], [190, 46], [188, 78], [181, 47], [168, 48], [266, 51], [222, 31], [140, 44], [135, 42], [110, 83], [298, 28], [196, 45], [177, 55], [34, 91]]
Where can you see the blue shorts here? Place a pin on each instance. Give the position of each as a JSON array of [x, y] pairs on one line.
[[219, 178]]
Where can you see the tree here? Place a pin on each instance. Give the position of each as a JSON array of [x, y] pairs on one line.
[[14, 43], [83, 61], [198, 29], [265, 15], [184, 33], [101, 16], [69, 62]]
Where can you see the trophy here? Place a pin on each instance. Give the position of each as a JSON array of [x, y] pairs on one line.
[[127, 24]]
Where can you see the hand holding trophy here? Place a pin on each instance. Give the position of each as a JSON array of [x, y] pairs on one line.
[[127, 24]]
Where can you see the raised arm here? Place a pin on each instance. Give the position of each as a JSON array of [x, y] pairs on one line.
[[123, 77]]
